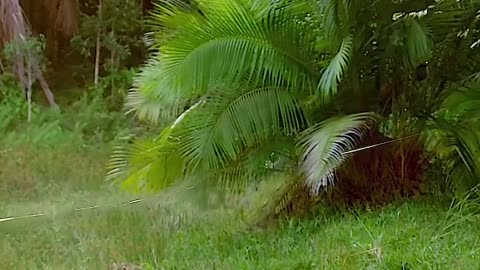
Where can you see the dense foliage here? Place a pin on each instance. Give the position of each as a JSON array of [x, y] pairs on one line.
[[249, 89]]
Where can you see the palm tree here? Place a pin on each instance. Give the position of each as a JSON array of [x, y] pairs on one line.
[[251, 88]]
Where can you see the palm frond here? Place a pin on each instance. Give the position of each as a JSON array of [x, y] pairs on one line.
[[333, 74], [280, 196], [462, 103], [146, 165], [419, 44], [455, 141], [448, 19], [230, 42], [230, 121], [324, 146], [151, 98], [255, 164], [335, 17]]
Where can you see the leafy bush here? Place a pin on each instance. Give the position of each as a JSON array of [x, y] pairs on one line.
[[13, 105]]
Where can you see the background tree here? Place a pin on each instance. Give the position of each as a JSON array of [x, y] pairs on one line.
[[57, 20], [14, 29], [119, 24]]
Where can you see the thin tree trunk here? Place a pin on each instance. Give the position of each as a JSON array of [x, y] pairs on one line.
[[113, 67], [97, 54], [45, 87], [29, 86]]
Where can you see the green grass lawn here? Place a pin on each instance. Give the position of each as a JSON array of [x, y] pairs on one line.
[[420, 234]]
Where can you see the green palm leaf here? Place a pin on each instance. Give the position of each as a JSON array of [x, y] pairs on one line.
[[275, 155], [150, 99], [325, 145], [336, 17], [419, 44], [462, 103], [232, 41], [453, 136], [229, 121], [333, 74], [146, 165]]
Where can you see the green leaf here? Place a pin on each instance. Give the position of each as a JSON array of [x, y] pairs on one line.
[[233, 40], [419, 44], [229, 121], [333, 74], [149, 98], [147, 165]]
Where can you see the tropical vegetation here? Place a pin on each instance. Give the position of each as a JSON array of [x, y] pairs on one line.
[[248, 89], [252, 134]]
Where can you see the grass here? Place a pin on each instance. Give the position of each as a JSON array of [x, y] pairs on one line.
[[420, 234]]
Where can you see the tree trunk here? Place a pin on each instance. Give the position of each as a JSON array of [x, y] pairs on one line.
[[29, 86], [13, 27], [45, 87], [97, 54]]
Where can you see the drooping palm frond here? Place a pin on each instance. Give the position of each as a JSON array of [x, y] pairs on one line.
[[147, 165], [452, 135], [333, 74], [459, 147], [325, 145], [223, 137], [449, 21], [275, 156], [279, 196], [150, 98], [231, 41], [336, 17], [419, 44], [231, 120], [462, 103]]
